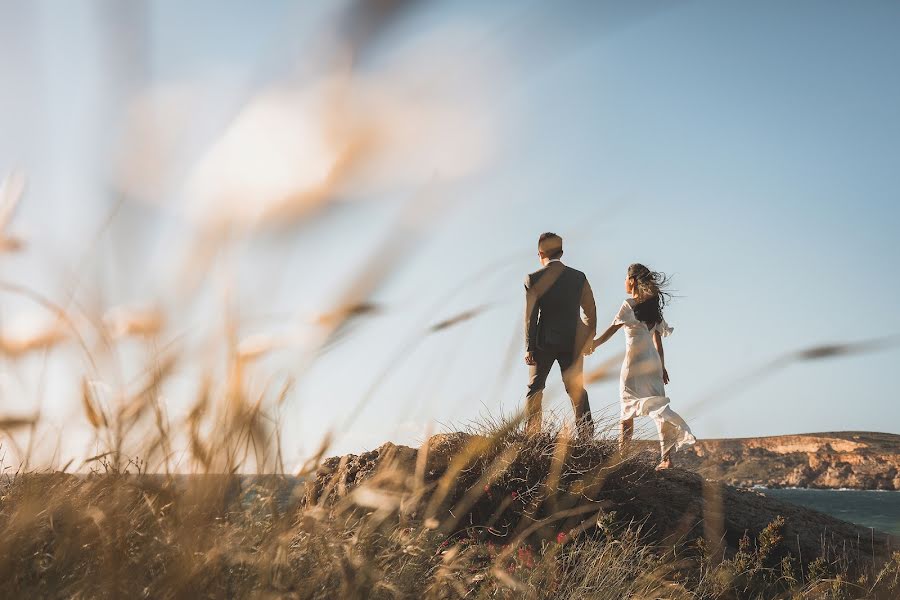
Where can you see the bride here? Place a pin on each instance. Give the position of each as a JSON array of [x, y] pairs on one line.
[[644, 375]]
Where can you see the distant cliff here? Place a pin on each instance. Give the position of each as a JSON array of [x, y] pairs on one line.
[[849, 459]]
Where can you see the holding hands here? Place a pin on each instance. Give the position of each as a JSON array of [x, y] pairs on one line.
[[657, 342]]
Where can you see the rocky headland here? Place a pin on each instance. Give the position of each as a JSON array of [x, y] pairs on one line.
[[836, 460]]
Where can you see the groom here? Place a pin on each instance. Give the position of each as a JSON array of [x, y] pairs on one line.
[[555, 332]]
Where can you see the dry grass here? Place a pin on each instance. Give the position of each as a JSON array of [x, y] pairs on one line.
[[401, 527], [109, 536]]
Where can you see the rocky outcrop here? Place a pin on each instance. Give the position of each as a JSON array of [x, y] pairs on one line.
[[843, 460], [514, 487]]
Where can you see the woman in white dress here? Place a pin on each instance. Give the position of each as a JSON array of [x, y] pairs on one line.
[[644, 375]]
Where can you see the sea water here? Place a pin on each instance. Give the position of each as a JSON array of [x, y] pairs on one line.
[[878, 509]]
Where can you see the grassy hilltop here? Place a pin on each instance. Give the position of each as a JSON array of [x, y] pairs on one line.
[[489, 515]]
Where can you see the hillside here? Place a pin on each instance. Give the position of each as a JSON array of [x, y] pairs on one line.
[[503, 487], [464, 515], [849, 459]]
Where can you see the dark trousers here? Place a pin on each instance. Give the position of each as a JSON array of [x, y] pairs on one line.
[[573, 378]]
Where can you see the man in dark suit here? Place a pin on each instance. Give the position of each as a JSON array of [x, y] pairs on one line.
[[555, 332]]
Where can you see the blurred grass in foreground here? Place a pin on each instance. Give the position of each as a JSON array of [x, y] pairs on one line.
[[440, 524]]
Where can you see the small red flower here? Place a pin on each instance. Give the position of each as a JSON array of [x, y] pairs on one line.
[[561, 537], [526, 557], [515, 495]]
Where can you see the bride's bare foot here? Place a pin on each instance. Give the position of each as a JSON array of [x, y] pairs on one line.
[[664, 464]]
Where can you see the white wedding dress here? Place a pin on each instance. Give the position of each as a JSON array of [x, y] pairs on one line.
[[641, 385]]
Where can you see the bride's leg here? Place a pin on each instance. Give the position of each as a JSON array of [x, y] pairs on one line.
[[626, 432], [666, 441]]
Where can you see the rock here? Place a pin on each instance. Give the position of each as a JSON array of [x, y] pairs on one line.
[[518, 486], [849, 460]]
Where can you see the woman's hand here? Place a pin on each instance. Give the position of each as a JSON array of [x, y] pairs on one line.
[[657, 341]]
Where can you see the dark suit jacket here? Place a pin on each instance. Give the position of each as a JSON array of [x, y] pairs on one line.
[[554, 299]]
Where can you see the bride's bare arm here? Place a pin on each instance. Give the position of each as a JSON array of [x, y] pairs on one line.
[[657, 341], [604, 337]]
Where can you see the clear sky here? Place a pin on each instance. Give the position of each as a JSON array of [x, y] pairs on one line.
[[750, 150]]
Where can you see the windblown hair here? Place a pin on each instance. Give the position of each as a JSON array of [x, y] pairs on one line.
[[652, 293], [550, 244]]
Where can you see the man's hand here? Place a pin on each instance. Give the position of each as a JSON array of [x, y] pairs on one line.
[[665, 376], [529, 359]]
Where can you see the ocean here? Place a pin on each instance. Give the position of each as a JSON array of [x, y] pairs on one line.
[[878, 509]]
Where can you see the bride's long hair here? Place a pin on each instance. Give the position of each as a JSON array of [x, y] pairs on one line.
[[652, 293]]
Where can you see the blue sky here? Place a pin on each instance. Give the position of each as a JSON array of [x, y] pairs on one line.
[[749, 150]]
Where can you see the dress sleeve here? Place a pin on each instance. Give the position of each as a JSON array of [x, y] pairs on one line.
[[625, 316], [664, 329]]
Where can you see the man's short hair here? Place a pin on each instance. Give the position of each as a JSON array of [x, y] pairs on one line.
[[550, 244]]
